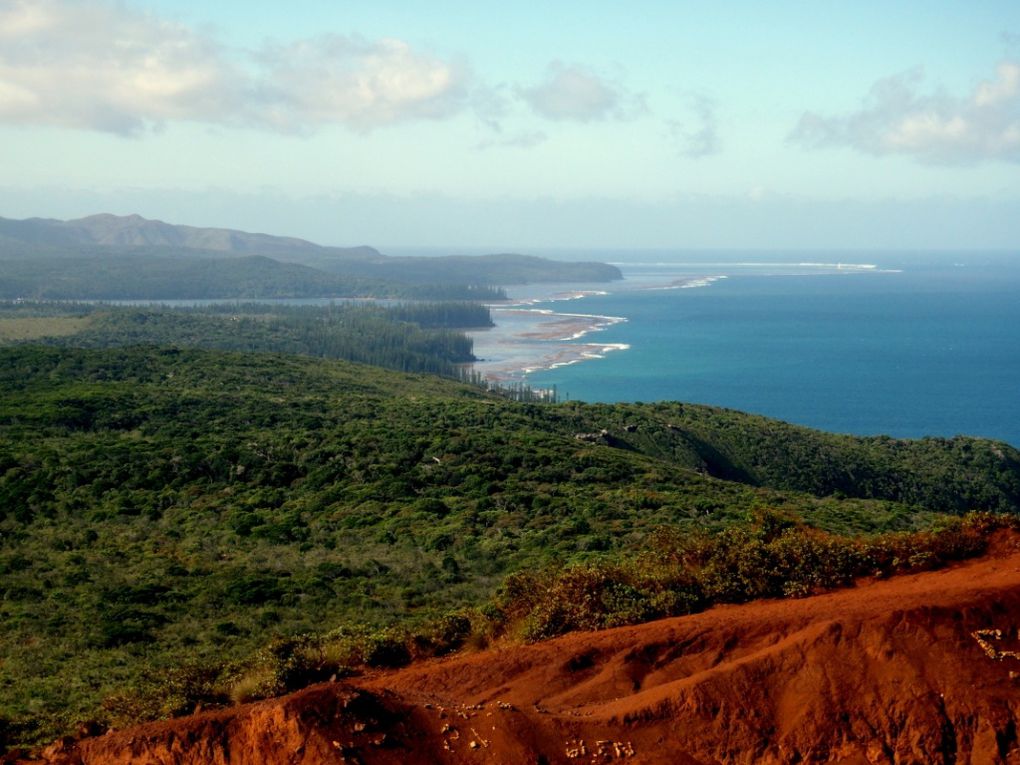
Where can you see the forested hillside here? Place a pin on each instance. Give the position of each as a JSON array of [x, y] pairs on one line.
[[162, 275], [945, 474], [162, 508]]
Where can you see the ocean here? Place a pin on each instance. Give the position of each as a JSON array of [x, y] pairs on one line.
[[898, 344]]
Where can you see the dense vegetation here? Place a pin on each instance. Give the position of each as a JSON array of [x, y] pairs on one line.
[[410, 337], [164, 513], [945, 474], [684, 570], [163, 275]]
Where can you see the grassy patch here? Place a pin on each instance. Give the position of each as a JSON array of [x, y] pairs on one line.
[[37, 327]]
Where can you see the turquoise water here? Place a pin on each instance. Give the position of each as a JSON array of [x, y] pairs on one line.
[[920, 345]]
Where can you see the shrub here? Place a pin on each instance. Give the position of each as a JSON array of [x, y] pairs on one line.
[[445, 635], [285, 664], [255, 684], [772, 557], [600, 595], [168, 692], [387, 650]]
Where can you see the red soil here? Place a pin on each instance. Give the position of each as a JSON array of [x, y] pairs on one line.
[[887, 672]]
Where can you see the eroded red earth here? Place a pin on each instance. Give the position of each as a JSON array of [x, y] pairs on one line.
[[887, 672]]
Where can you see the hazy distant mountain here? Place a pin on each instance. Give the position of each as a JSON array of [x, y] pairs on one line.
[[109, 256], [134, 231]]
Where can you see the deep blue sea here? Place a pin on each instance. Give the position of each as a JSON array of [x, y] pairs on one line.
[[918, 345]]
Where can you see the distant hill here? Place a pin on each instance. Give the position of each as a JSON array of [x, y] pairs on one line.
[[45, 247], [134, 231]]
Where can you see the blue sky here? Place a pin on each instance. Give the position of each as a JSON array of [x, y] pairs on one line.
[[505, 126]]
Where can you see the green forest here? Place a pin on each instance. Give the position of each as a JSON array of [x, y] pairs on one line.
[[163, 274], [410, 337], [183, 525]]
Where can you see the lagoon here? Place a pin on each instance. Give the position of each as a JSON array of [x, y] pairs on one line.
[[900, 344]]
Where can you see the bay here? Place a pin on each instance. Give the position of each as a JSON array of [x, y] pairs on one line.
[[900, 344]]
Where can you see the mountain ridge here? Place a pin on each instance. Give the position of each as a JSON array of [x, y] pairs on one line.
[[99, 240], [106, 229]]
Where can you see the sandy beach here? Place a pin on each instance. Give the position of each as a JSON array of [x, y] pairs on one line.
[[526, 340], [529, 336]]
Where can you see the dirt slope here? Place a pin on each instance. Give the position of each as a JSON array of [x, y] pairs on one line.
[[888, 672]]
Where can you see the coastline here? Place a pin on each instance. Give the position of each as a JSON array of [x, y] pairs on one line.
[[529, 340], [529, 336]]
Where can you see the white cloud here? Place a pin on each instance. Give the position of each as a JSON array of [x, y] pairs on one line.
[[897, 119], [104, 65], [574, 92], [1003, 90], [362, 84], [100, 65], [97, 65]]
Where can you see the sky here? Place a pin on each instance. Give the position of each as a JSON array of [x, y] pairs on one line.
[[483, 125]]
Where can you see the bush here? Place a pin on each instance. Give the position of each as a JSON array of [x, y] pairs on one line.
[[443, 636], [169, 692], [596, 596], [257, 683], [387, 650], [772, 557]]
